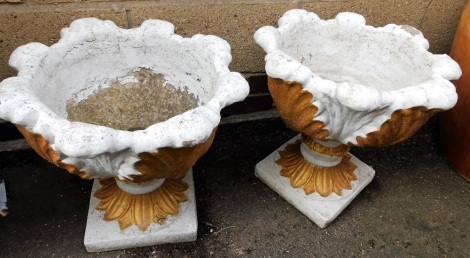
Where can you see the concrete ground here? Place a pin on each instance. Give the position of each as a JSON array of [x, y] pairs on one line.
[[416, 206]]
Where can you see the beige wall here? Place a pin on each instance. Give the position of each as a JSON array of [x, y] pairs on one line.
[[23, 21]]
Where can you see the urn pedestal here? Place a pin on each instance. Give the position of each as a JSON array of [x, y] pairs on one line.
[[101, 235], [343, 83], [134, 108], [289, 181]]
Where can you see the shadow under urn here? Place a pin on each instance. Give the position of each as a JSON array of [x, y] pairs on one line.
[[134, 108], [342, 83]]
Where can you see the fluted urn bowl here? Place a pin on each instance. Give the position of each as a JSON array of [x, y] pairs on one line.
[[134, 107], [342, 83]]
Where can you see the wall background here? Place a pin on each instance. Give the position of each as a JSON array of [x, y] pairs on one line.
[[23, 21]]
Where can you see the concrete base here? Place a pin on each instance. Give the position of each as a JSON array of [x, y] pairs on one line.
[[321, 210], [103, 235]]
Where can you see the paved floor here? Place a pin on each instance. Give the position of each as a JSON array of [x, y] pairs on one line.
[[416, 206]]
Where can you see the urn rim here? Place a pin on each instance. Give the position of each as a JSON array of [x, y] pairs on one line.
[[282, 65], [347, 109], [20, 105]]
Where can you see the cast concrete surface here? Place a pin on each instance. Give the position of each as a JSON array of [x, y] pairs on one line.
[[416, 206]]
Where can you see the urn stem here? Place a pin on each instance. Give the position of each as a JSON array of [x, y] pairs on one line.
[[142, 188], [323, 153], [317, 166], [317, 158]]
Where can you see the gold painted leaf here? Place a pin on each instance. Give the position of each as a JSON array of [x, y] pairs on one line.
[[295, 107], [402, 125], [170, 162], [42, 147], [323, 180], [140, 209]]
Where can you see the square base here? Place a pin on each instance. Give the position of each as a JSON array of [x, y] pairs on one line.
[[321, 210], [101, 235]]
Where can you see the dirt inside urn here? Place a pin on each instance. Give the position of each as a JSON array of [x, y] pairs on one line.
[[134, 102]]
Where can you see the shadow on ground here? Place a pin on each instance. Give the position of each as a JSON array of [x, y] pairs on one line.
[[415, 206]]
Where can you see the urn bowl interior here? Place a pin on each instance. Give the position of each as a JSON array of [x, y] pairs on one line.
[[369, 56], [125, 84], [133, 102]]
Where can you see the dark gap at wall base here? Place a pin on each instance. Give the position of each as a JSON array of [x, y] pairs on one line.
[[9, 132]]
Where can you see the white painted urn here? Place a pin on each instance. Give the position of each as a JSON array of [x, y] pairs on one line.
[[133, 107], [343, 83]]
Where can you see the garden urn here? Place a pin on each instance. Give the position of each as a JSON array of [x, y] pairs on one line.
[[342, 83], [134, 108]]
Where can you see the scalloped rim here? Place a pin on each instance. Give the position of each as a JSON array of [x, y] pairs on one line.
[[19, 105], [281, 65], [437, 92]]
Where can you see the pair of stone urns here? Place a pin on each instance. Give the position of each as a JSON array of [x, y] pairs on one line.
[[137, 107]]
